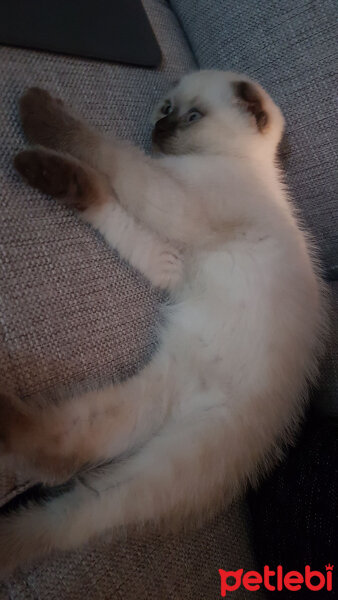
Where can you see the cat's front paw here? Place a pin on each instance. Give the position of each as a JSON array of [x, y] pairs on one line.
[[43, 117], [167, 268]]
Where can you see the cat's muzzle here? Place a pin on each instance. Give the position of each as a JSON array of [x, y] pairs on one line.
[[164, 129]]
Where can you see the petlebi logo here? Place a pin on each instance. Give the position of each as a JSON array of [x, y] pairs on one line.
[[276, 580]]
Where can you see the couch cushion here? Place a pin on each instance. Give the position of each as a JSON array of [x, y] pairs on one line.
[[148, 567], [326, 398], [291, 48], [71, 311]]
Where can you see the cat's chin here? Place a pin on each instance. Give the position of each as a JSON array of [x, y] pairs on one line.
[[164, 147], [159, 148]]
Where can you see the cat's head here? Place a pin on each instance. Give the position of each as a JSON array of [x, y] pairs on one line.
[[217, 112]]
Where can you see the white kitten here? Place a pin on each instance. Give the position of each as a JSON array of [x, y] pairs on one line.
[[209, 219]]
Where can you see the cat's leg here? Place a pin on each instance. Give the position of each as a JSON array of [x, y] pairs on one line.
[[144, 187], [84, 188], [52, 441], [175, 474], [47, 122]]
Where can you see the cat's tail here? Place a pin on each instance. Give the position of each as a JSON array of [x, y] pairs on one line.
[[189, 468]]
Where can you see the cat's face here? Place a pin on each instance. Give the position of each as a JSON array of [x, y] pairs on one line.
[[215, 112]]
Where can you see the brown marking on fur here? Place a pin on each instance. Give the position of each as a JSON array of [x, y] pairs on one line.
[[63, 177], [50, 442], [40, 439], [250, 99], [13, 421], [55, 467], [20, 426], [44, 119], [47, 122]]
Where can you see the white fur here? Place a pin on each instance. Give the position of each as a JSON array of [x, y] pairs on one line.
[[241, 339]]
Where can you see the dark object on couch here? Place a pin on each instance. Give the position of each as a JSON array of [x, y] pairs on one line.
[[116, 31]]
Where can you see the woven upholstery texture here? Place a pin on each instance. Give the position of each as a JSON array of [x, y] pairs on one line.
[[71, 311], [147, 567], [290, 47], [326, 397]]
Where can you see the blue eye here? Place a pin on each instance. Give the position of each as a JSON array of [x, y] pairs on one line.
[[167, 108], [193, 115]]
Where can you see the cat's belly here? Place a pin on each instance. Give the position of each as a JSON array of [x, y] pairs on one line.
[[195, 352], [218, 349]]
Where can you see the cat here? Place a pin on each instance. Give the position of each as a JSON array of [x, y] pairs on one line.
[[209, 219]]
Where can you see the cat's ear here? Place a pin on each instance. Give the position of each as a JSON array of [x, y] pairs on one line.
[[249, 97]]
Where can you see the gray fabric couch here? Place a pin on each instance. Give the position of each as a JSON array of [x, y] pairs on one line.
[[73, 314]]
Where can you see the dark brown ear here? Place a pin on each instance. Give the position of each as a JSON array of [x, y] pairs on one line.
[[250, 99]]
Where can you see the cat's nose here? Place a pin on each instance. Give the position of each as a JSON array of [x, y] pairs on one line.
[[166, 125], [164, 129]]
